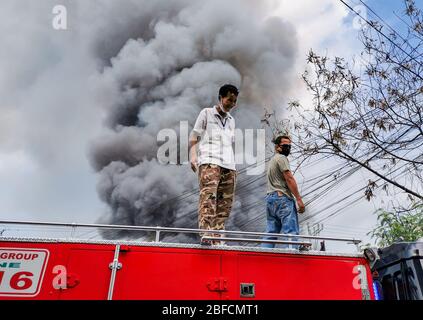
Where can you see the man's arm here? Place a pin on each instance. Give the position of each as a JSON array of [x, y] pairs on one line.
[[292, 185], [193, 142], [198, 130]]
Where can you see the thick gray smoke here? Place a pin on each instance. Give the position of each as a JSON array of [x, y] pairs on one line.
[[163, 62]]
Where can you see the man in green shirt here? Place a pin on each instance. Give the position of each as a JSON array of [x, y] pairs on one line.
[[282, 193]]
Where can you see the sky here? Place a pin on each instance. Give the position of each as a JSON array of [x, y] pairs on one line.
[[57, 93]]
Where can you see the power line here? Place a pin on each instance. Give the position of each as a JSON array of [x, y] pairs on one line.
[[256, 204], [343, 226], [354, 201], [387, 24], [349, 196], [389, 39], [334, 183], [395, 33], [417, 35]]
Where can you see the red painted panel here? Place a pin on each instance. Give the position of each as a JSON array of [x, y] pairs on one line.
[[167, 273], [89, 270], [283, 277], [179, 273]]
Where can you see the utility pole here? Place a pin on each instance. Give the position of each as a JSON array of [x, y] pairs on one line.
[[315, 230]]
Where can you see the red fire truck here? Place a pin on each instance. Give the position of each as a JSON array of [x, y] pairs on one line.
[[70, 268]]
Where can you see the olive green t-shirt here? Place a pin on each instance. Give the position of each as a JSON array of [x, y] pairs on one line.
[[275, 179]]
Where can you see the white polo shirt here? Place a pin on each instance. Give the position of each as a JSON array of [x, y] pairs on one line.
[[217, 136]]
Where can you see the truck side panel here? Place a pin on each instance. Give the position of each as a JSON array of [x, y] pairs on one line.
[[172, 273]]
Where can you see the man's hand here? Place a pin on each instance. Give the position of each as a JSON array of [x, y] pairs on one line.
[[301, 206], [194, 164], [292, 186]]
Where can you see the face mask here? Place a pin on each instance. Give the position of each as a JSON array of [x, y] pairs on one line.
[[286, 149]]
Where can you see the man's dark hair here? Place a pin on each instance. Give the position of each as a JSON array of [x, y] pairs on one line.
[[228, 88], [278, 139]]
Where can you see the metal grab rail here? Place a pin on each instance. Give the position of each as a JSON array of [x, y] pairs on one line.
[[159, 230], [297, 243], [114, 266]]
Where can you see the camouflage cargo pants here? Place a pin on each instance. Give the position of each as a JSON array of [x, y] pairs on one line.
[[217, 186]]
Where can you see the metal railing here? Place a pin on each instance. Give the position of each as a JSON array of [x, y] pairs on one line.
[[243, 235]]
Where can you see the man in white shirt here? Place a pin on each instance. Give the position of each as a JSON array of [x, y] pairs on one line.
[[212, 156]]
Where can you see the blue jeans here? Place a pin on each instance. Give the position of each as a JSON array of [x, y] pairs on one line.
[[281, 218]]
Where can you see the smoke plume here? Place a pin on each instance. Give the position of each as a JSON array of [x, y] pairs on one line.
[[162, 62]]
